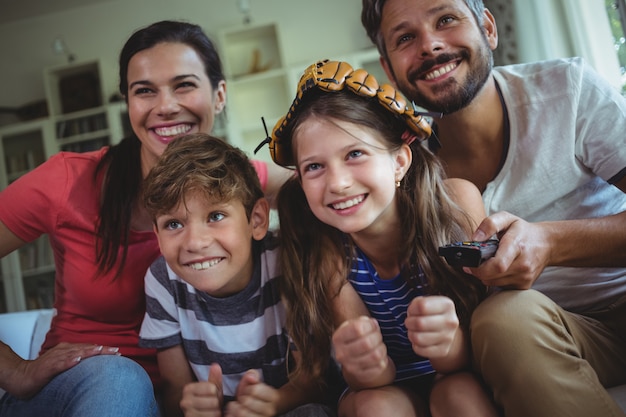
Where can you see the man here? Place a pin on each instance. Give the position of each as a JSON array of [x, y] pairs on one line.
[[545, 143]]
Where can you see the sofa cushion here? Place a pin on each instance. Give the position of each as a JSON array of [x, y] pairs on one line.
[[24, 331]]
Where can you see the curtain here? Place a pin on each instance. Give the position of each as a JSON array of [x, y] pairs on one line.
[[533, 30], [504, 13]]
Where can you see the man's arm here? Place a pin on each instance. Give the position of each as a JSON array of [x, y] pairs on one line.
[[527, 248]]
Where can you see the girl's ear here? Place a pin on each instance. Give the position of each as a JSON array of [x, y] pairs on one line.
[[403, 159], [260, 219]]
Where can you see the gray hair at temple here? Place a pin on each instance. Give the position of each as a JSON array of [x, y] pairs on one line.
[[372, 14]]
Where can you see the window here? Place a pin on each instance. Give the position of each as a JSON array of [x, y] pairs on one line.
[[617, 16]]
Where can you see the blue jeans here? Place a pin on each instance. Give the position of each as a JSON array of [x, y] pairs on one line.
[[102, 386]]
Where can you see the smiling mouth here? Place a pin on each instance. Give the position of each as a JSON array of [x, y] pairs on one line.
[[348, 203], [441, 71], [173, 130], [199, 266]]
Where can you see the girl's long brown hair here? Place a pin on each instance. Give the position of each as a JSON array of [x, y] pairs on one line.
[[314, 256]]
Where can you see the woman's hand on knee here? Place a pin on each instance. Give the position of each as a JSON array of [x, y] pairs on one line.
[[28, 377]]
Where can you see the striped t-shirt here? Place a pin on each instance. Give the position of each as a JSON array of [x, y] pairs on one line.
[[241, 332], [387, 301]]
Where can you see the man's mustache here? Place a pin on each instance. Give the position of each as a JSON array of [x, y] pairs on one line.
[[431, 63]]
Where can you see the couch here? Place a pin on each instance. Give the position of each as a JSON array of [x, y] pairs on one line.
[[25, 331]]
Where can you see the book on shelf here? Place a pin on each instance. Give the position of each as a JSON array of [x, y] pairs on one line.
[[36, 254], [85, 124], [40, 294], [86, 145]]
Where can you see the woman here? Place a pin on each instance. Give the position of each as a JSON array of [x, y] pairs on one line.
[[89, 204]]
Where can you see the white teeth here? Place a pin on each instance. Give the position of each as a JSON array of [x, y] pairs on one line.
[[173, 130], [198, 266], [439, 72], [349, 203]]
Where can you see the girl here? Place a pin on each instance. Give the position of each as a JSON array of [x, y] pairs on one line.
[[370, 204]]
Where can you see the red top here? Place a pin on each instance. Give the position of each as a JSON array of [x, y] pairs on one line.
[[60, 198]]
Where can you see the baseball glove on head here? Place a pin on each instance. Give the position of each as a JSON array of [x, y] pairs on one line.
[[331, 76]]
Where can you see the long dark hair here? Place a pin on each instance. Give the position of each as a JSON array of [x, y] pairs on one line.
[[122, 163], [313, 254]]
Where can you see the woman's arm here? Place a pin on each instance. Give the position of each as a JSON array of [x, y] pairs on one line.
[[276, 177]]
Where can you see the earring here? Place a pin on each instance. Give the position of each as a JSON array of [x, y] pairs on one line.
[[398, 184]]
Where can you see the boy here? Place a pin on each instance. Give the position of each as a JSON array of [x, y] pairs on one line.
[[214, 311]]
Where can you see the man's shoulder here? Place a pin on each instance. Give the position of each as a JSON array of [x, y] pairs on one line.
[[541, 81], [556, 65]]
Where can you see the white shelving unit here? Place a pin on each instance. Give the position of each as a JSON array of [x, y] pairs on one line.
[[23, 147], [258, 82], [262, 84], [78, 121]]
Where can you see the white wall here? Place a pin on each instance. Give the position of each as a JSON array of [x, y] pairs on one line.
[[310, 31]]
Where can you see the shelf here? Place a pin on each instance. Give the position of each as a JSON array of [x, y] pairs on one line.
[[39, 290], [37, 271], [264, 95], [23, 150], [73, 87], [36, 256], [83, 137], [81, 123], [250, 49], [86, 143], [369, 61]]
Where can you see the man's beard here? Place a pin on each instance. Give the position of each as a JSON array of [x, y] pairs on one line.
[[450, 96]]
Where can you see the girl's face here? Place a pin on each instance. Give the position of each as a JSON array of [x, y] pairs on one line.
[[348, 175], [169, 94]]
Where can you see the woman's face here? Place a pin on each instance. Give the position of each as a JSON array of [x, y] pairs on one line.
[[169, 95]]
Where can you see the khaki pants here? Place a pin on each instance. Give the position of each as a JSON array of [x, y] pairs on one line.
[[541, 360]]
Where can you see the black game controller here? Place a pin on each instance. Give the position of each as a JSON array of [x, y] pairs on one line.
[[468, 253]]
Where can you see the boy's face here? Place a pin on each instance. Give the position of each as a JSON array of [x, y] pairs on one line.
[[208, 244]]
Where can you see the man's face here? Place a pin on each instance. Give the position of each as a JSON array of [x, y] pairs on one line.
[[438, 56]]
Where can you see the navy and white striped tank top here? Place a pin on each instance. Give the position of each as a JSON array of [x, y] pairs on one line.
[[387, 301]]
